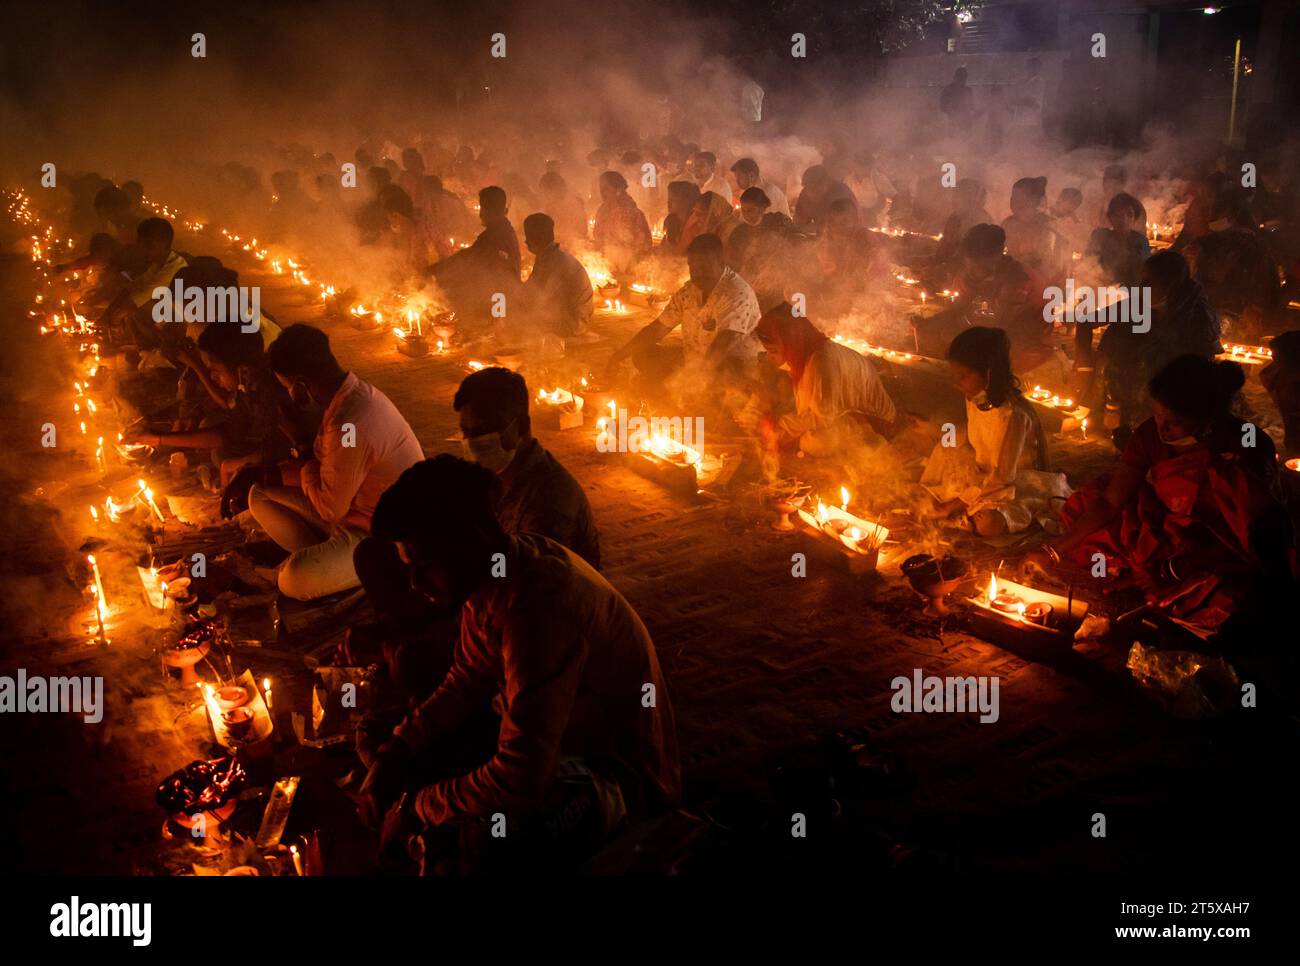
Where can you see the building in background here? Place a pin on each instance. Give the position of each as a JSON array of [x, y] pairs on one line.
[[1166, 61]]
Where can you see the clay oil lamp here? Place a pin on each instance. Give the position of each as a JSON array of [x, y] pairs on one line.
[[444, 326], [934, 579], [510, 358], [230, 697], [852, 540], [1016, 615], [558, 409], [238, 722]]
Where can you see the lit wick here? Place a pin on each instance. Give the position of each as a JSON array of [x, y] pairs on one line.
[[100, 600], [148, 497]]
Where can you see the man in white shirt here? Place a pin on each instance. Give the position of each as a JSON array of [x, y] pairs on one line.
[[718, 313], [319, 510], [747, 176], [704, 167]]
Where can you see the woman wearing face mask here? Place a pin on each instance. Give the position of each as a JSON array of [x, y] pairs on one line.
[[997, 476], [1190, 512]]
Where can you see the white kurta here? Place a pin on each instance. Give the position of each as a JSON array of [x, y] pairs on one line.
[[992, 468]]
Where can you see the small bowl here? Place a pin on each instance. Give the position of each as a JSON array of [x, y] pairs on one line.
[[510, 359], [231, 697], [934, 578], [238, 721]]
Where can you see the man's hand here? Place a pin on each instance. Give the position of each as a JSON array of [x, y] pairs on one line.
[[398, 826], [1035, 563], [234, 498], [190, 356], [139, 437], [610, 375], [383, 785]]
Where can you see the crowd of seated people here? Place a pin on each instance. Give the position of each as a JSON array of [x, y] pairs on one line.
[[513, 670]]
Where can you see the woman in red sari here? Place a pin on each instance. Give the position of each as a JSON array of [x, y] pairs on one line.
[[1191, 513]]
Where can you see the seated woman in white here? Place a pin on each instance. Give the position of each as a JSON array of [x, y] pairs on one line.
[[995, 473]]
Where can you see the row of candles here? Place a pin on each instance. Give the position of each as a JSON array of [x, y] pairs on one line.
[[69, 322], [655, 443], [230, 701], [227, 703], [856, 533]]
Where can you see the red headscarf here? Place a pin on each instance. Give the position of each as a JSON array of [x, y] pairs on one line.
[[796, 337]]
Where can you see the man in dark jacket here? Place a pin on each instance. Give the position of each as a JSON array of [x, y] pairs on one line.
[[586, 736]]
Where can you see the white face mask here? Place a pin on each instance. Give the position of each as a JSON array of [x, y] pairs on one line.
[[487, 451], [1182, 442]]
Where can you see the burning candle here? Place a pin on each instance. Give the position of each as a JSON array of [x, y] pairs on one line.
[[1084, 426], [297, 859], [1005, 602], [148, 497], [100, 599], [266, 691]]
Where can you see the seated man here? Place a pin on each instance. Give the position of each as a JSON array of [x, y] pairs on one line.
[[558, 293], [748, 176], [556, 651], [257, 426], [1183, 322], [819, 192], [111, 264], [839, 399], [704, 166], [117, 214], [968, 210], [537, 495], [565, 208], [718, 313], [995, 291], [1237, 268], [473, 276], [132, 308], [320, 510], [850, 258], [754, 204]]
